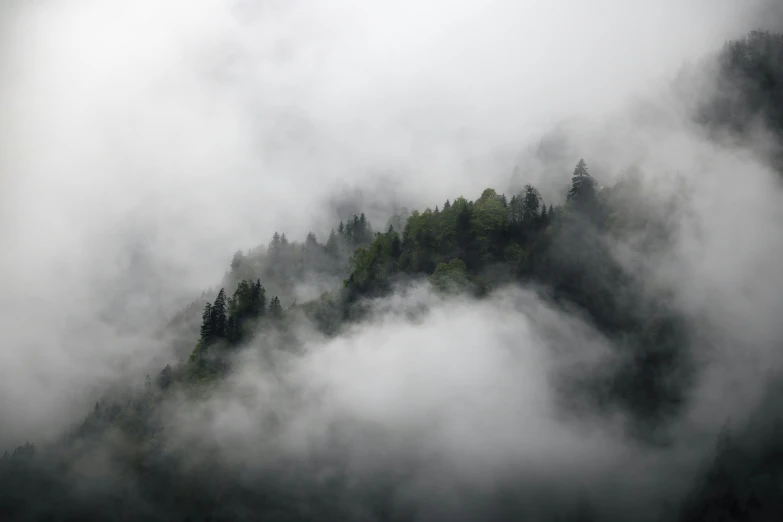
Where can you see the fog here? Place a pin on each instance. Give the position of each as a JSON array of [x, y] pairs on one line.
[[142, 143], [456, 401]]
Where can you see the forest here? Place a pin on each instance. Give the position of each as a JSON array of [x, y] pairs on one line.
[[119, 462]]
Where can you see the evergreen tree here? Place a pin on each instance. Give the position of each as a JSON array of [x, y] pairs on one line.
[[240, 309], [275, 308], [258, 299], [233, 329], [206, 324], [165, 378], [332, 246], [531, 202], [237, 260], [582, 192], [396, 246], [515, 210], [218, 316]]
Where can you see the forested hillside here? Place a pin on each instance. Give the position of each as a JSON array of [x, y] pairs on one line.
[[120, 463]]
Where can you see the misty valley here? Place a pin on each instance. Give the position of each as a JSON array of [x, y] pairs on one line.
[[592, 344]]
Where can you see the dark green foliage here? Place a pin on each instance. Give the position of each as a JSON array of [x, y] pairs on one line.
[[478, 245], [166, 377], [450, 277], [258, 299], [218, 318], [355, 232], [531, 201], [206, 324], [240, 307]]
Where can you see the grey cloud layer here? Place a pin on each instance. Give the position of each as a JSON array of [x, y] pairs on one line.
[[201, 129]]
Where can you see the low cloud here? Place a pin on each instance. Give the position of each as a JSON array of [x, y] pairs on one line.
[[133, 167]]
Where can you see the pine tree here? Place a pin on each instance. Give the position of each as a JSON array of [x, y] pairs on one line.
[[582, 192], [258, 299], [332, 246], [515, 210], [218, 316], [233, 332], [165, 378], [237, 260], [446, 205], [531, 202], [275, 308], [396, 247], [206, 324]]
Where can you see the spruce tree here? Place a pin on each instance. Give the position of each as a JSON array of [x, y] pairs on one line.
[[275, 308], [332, 246], [396, 247], [258, 299], [233, 329], [531, 202], [206, 324], [274, 246], [165, 378], [515, 210], [236, 262], [582, 192], [218, 316]]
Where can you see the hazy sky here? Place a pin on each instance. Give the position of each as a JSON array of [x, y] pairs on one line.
[[143, 142]]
